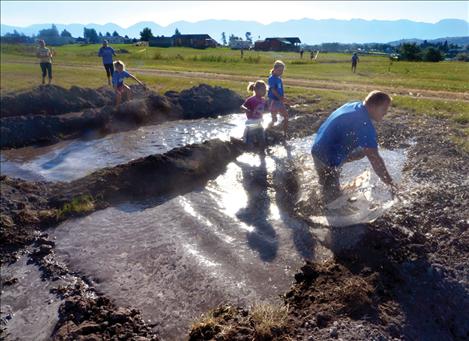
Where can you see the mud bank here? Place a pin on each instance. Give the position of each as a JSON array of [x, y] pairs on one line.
[[405, 279], [58, 117]]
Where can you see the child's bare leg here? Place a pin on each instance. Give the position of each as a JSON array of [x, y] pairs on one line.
[[285, 121], [118, 98], [127, 92], [274, 119]]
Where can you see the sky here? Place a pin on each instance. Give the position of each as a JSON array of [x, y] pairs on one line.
[[127, 13]]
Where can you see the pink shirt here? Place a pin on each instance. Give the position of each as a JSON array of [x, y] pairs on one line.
[[256, 107]]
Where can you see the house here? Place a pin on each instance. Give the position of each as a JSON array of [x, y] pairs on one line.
[[238, 44], [197, 41], [161, 41], [278, 44]]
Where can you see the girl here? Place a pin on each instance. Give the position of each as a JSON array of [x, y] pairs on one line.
[[254, 107], [118, 77], [45, 60], [276, 96]]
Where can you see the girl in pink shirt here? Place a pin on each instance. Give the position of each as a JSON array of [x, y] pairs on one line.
[[254, 107]]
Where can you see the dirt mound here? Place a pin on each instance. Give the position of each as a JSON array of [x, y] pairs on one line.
[[49, 114], [55, 100], [18, 131], [206, 101]]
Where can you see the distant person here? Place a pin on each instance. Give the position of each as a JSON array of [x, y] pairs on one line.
[[301, 53], [311, 55], [355, 60], [120, 74], [276, 95], [254, 107], [347, 135], [242, 52], [106, 53], [45, 60]]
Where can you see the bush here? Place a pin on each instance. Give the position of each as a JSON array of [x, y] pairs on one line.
[[432, 55], [463, 57]]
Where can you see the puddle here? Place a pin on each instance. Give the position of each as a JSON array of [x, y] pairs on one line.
[[28, 309], [73, 159], [227, 242]]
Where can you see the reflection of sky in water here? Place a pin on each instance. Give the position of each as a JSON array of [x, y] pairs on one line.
[[69, 160]]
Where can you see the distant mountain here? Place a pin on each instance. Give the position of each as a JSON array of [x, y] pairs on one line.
[[463, 41], [310, 31]]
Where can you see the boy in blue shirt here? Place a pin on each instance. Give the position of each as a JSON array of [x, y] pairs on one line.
[[276, 96], [347, 135], [106, 52]]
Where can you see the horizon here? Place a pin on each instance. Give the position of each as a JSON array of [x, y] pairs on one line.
[[24, 14]]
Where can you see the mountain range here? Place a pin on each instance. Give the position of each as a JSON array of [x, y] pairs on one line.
[[310, 31]]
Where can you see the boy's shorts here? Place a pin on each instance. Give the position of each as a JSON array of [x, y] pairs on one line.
[[276, 105]]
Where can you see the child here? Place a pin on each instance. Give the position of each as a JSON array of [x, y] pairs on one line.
[[45, 60], [254, 107], [118, 81], [276, 96]]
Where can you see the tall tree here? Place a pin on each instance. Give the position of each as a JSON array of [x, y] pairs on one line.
[[249, 37], [177, 32], [90, 35], [115, 34], [223, 38], [65, 33], [146, 34]]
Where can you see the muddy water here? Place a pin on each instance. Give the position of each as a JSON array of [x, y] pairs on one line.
[[73, 159], [28, 309], [230, 241]]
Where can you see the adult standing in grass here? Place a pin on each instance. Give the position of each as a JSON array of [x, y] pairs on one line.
[[347, 135], [106, 53], [355, 60], [45, 60]]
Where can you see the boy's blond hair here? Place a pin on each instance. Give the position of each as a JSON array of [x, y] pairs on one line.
[[277, 64], [257, 85], [119, 62], [377, 97]]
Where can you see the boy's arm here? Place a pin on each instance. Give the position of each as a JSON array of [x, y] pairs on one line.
[[275, 92], [378, 165], [135, 79]]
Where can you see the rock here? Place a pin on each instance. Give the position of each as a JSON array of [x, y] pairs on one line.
[[334, 332]]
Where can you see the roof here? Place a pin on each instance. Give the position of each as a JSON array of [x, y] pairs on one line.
[[291, 40], [193, 36]]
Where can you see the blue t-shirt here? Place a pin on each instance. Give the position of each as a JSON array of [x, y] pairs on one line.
[[119, 77], [346, 129], [275, 83], [106, 53]]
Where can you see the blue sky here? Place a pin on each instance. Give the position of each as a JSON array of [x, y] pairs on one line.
[[127, 13]]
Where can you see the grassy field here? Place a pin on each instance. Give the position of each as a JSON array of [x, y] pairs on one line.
[[165, 69]]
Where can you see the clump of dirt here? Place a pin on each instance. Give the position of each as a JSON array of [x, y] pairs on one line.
[[54, 100], [205, 101]]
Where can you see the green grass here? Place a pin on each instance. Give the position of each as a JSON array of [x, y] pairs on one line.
[[79, 205], [372, 70]]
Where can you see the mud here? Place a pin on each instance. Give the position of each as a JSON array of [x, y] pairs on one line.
[[406, 278], [59, 117]]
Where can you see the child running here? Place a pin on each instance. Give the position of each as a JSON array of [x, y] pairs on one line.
[[276, 95], [254, 107], [118, 77]]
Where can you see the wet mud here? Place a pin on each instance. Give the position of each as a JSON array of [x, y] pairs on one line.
[[405, 277]]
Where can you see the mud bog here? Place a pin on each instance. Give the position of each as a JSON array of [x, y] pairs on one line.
[[142, 248]]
